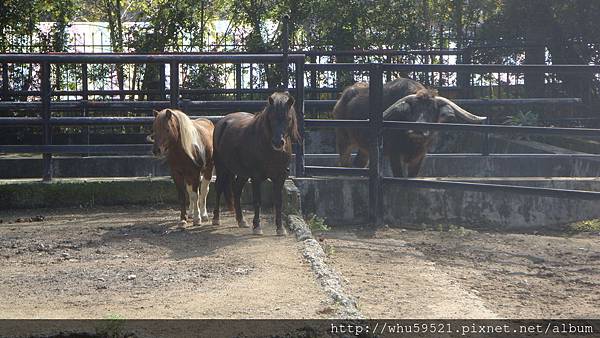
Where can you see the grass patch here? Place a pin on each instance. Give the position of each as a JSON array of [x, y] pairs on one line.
[[591, 225], [316, 223]]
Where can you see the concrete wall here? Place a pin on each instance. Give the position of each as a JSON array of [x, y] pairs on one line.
[[89, 192], [345, 201], [435, 165]]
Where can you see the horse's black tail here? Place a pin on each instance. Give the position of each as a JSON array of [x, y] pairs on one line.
[[224, 184]]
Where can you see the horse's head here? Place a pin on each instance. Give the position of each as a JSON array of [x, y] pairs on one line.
[[281, 119], [163, 132]]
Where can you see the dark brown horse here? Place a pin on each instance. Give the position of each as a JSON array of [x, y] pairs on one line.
[[187, 147], [255, 147]]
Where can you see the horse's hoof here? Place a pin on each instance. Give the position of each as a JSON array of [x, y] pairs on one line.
[[197, 221], [182, 223], [243, 224], [281, 231], [257, 231], [204, 218], [216, 222]]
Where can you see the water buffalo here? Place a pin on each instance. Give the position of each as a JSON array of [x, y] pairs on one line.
[[403, 100]]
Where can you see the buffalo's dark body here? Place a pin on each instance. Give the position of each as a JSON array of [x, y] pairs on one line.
[[403, 100]]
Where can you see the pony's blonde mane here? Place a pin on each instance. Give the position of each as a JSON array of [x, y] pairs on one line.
[[188, 137]]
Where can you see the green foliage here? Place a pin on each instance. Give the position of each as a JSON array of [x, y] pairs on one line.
[[591, 225], [316, 223], [111, 327], [527, 118]]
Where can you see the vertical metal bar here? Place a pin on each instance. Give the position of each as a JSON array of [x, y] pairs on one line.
[[485, 144], [464, 78], [299, 146], [162, 79], [285, 50], [238, 81], [5, 81], [313, 85], [121, 81], [174, 88], [47, 130], [376, 146], [388, 75], [84, 99]]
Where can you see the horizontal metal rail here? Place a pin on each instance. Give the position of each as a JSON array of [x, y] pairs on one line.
[[78, 149], [329, 104], [478, 128], [487, 187], [332, 171], [471, 68], [497, 129], [87, 121], [320, 123], [493, 68], [59, 58], [380, 52], [130, 105]]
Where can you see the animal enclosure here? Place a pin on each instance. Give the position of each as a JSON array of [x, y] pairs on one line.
[[59, 114]]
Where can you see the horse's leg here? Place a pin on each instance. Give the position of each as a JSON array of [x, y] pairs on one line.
[[192, 190], [256, 229], [205, 182], [216, 212], [181, 193], [277, 201], [190, 209], [238, 187]]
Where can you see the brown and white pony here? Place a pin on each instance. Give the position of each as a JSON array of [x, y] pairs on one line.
[[186, 145], [256, 147]]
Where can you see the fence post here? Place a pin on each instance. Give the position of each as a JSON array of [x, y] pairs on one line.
[[84, 99], [285, 42], [376, 145], [174, 86], [5, 81], [299, 151], [238, 81], [313, 85], [485, 144], [46, 115], [162, 78], [464, 78]]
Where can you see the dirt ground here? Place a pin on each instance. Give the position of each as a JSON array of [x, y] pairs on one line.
[[135, 262], [461, 273]]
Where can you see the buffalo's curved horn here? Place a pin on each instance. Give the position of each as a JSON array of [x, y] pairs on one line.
[[399, 105], [463, 113]]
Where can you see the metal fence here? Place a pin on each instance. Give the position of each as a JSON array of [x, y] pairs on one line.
[[376, 126], [299, 70]]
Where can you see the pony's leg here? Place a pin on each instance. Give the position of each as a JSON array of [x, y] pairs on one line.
[[190, 209], [203, 193], [256, 229], [192, 190], [277, 201], [238, 187], [181, 193]]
